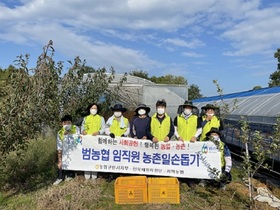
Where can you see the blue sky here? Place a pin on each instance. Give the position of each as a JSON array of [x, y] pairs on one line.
[[232, 41]]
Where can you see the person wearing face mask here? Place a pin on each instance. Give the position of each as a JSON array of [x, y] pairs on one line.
[[210, 118], [117, 124], [139, 122], [160, 127], [214, 135], [187, 124], [65, 132], [93, 124]]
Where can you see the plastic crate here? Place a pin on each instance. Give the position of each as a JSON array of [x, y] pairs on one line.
[[163, 190], [131, 190]]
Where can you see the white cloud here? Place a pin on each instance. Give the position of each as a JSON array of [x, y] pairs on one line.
[[182, 43], [192, 54], [144, 14], [95, 52], [146, 34], [259, 32]]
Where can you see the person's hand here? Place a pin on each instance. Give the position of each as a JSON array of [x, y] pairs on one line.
[[95, 133], [123, 135], [144, 137], [84, 133], [166, 139], [193, 139], [225, 177], [155, 140], [180, 139], [112, 135]]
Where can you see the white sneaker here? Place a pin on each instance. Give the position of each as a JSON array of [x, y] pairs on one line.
[[94, 175], [223, 186], [87, 174], [202, 183], [58, 181], [68, 179]]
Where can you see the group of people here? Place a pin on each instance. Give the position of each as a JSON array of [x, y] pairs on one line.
[[188, 126]]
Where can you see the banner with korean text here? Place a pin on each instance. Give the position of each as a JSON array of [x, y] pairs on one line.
[[127, 155]]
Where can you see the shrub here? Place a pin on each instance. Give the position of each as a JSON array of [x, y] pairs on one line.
[[32, 167]]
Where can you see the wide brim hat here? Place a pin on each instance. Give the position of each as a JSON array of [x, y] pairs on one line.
[[66, 118], [143, 106], [118, 107], [188, 103], [209, 106], [213, 130]]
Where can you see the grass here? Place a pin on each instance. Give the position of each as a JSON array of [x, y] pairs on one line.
[[26, 183], [99, 194]]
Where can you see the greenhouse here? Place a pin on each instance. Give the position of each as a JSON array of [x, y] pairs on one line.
[[260, 108], [136, 90]]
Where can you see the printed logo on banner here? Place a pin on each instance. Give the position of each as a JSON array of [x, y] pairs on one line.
[[74, 140], [212, 148], [206, 148], [78, 140]]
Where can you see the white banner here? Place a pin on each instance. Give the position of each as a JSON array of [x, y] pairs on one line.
[[135, 156]]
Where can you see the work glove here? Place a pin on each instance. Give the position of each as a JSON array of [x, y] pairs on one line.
[[112, 135], [225, 177]]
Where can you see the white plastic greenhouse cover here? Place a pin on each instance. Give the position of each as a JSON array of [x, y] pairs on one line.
[[173, 95], [259, 106], [136, 90]]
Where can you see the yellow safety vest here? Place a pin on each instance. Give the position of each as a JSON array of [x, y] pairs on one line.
[[115, 127], [186, 127], [61, 132], [92, 123], [160, 130], [222, 150], [213, 123]]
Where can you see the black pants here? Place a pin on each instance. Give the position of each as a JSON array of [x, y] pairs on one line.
[[63, 173]]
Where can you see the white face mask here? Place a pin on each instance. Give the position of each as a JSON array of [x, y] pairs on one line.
[[93, 111], [67, 127], [141, 111], [187, 111], [160, 111], [211, 115], [215, 138], [117, 114]]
